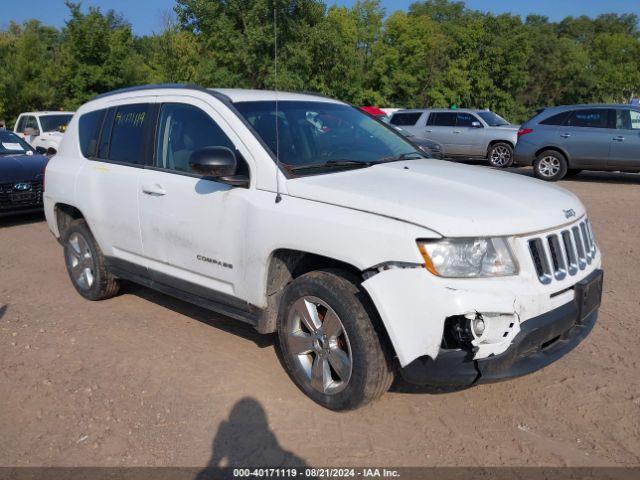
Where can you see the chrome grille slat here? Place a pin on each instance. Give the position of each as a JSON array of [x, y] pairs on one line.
[[577, 240], [570, 250], [563, 253], [557, 257]]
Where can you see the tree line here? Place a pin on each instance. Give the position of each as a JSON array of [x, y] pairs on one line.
[[437, 53]]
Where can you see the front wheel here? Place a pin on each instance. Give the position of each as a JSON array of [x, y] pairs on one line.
[[501, 155], [550, 166], [328, 341]]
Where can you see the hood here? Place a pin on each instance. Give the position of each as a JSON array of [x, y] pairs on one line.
[[53, 134], [452, 199], [21, 167]]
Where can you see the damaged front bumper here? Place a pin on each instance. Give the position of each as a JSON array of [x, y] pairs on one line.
[[541, 340]]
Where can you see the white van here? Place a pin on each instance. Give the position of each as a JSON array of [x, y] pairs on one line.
[[365, 257]]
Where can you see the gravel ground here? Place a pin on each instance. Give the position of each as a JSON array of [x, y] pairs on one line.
[[143, 379]]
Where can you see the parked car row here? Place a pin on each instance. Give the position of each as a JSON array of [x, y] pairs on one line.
[[305, 217], [557, 141]]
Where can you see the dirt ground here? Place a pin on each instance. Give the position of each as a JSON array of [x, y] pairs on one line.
[[143, 379]]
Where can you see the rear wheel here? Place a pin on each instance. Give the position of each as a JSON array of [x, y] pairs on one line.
[[86, 264], [328, 341], [550, 166], [501, 155]]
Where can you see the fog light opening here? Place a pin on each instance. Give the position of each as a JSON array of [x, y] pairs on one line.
[[477, 326]]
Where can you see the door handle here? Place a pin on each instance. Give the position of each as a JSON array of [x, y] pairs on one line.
[[565, 135], [457, 131], [428, 131], [618, 139], [155, 190]]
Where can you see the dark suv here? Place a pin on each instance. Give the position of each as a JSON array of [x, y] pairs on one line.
[[562, 141]]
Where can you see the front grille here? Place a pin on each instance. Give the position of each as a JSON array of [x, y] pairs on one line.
[[564, 252], [13, 198]]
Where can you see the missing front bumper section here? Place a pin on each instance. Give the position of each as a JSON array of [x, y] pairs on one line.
[[541, 341]]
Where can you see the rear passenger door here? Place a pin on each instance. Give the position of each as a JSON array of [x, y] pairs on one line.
[[587, 135], [116, 141], [192, 227], [440, 128], [625, 142]]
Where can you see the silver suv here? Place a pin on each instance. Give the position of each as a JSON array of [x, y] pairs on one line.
[[562, 141], [463, 133]]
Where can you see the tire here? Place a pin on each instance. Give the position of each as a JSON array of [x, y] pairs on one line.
[[573, 172], [363, 370], [86, 264], [500, 155], [550, 165]]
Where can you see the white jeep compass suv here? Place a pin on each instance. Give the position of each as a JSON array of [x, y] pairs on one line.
[[302, 215]]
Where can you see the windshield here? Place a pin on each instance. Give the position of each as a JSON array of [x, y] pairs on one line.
[[493, 119], [11, 144], [324, 134], [55, 123]]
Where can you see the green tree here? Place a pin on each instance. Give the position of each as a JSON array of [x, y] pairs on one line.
[[96, 55]]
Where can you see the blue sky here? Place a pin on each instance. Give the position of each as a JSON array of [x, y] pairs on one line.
[[146, 15]]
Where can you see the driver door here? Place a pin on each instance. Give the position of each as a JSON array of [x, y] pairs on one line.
[[192, 227]]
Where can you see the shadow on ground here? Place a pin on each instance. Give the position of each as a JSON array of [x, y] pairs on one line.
[[203, 315], [21, 219], [594, 177], [245, 440]]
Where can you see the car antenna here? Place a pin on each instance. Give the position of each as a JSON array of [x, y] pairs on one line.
[[275, 81]]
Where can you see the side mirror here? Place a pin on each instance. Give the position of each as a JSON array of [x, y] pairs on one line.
[[41, 150], [31, 132], [213, 162], [51, 151], [476, 124]]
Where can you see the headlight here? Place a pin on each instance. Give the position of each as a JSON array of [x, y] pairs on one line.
[[468, 257]]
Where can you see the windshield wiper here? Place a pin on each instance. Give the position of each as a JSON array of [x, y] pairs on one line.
[[331, 164], [402, 156]]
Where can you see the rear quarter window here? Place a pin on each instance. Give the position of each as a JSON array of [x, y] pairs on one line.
[[557, 119], [408, 119], [89, 132]]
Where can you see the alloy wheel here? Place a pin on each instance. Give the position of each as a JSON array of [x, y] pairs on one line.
[[500, 156], [549, 166], [319, 345], [80, 261]]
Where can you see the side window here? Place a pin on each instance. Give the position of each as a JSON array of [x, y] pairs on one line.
[[183, 129], [443, 119], [128, 134], [20, 125], [31, 122], [627, 120], [635, 119], [595, 118], [89, 132], [465, 120], [557, 119], [405, 119]]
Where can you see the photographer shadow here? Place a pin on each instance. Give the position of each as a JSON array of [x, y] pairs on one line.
[[244, 440]]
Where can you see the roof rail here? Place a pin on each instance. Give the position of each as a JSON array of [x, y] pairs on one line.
[[139, 88]]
